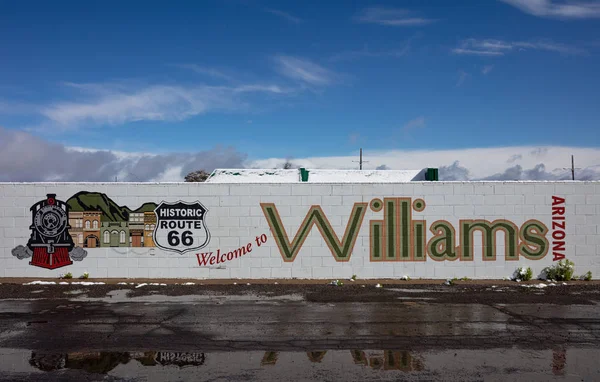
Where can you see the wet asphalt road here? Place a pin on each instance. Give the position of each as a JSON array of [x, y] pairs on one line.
[[103, 333]]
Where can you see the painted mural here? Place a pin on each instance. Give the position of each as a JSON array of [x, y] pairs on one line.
[[63, 232]]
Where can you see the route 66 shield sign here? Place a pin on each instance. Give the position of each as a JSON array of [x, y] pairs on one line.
[[181, 226]]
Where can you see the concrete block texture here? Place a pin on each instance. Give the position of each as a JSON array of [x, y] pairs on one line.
[[323, 231]]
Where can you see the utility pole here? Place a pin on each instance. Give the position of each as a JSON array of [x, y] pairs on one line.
[[573, 168], [360, 162]]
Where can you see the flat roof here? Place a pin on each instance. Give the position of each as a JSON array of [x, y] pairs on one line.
[[314, 176]]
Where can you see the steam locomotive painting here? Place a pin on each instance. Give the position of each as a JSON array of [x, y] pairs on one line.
[[50, 240]]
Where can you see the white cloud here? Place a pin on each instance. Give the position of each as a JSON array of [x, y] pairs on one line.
[[558, 9], [261, 88], [491, 47], [462, 77], [284, 15], [366, 52], [112, 105], [391, 17], [474, 52], [25, 157], [487, 69], [466, 164], [211, 72], [304, 70], [417, 123]]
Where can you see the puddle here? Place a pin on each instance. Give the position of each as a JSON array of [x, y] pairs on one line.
[[344, 365], [414, 298], [74, 291], [415, 290], [120, 295]]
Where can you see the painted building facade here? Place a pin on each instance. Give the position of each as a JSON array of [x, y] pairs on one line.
[[76, 231], [115, 234], [149, 226], [136, 229], [92, 220]]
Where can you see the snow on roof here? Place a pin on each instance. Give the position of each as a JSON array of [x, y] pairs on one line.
[[314, 176], [365, 176], [254, 176]]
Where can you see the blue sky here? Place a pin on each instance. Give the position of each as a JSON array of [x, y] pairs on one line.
[[277, 79]]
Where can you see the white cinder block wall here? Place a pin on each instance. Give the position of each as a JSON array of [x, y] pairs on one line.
[[235, 218]]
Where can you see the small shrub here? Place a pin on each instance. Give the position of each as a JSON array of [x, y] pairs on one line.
[[68, 276], [353, 277], [523, 274], [85, 275], [588, 276], [562, 271], [337, 283], [465, 278]]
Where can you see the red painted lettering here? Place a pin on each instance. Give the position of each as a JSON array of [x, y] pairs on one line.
[[559, 246], [558, 228], [557, 256], [208, 258], [204, 260]]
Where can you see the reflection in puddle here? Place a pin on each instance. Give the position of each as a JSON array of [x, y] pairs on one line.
[[389, 360], [103, 362], [355, 364]]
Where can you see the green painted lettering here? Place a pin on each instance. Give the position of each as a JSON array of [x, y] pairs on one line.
[[534, 245], [341, 250], [489, 231], [441, 245]]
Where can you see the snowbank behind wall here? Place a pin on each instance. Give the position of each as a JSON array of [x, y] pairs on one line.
[[321, 231]]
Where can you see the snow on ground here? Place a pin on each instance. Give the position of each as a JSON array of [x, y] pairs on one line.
[[537, 286], [40, 283], [314, 176], [86, 283]]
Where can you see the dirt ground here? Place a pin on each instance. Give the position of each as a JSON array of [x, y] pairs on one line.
[[22, 280], [433, 291]]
